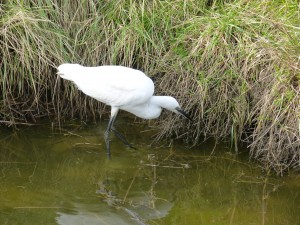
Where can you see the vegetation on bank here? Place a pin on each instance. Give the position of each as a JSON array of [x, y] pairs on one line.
[[233, 64]]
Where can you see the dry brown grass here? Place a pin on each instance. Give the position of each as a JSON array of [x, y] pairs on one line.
[[233, 64]]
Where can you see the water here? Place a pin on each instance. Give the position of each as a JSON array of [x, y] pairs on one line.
[[52, 176]]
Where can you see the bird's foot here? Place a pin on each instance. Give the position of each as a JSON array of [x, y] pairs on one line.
[[122, 138], [131, 146]]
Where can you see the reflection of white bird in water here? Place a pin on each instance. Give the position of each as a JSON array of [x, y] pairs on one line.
[[121, 88]]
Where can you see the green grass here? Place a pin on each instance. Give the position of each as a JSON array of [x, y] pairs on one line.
[[233, 64]]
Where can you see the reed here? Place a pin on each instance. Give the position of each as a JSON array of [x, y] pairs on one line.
[[233, 64]]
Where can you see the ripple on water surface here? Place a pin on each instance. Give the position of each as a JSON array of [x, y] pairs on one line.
[[62, 176]]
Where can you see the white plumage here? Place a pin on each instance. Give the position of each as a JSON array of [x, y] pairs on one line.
[[121, 88]]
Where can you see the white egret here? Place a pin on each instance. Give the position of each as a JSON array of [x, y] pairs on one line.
[[121, 88]]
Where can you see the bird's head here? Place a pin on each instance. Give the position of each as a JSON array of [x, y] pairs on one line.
[[171, 104]]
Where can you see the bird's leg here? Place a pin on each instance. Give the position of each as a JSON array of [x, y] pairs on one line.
[[114, 112], [121, 137]]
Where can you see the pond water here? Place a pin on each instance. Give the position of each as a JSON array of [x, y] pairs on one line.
[[62, 176]]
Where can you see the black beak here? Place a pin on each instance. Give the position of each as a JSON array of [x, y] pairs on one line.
[[184, 113]]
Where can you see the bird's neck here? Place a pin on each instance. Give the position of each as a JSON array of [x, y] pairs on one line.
[[148, 110], [155, 104], [160, 101], [166, 102]]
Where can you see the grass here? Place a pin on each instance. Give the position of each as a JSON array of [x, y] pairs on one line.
[[232, 64]]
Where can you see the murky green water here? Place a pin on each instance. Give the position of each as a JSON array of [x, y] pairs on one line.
[[63, 177]]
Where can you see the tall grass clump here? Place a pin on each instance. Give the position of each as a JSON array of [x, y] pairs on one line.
[[30, 44], [241, 61], [233, 64]]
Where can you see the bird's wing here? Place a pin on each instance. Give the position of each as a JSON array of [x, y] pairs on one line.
[[116, 86]]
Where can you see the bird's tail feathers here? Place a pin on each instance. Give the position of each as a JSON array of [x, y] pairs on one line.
[[68, 71]]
